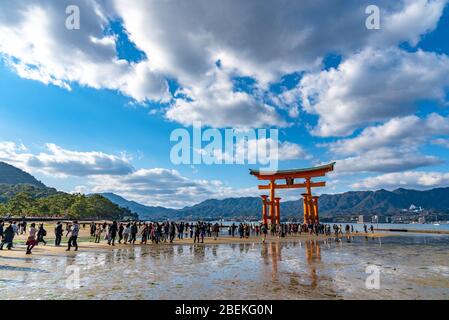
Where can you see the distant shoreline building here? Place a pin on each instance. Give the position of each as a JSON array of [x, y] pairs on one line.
[[363, 219]]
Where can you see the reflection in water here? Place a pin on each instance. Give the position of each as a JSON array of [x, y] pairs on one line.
[[198, 253], [282, 270], [271, 253], [275, 253], [214, 250], [313, 255]]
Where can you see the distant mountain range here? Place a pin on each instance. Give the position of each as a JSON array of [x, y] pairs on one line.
[[381, 202], [142, 210], [14, 181]]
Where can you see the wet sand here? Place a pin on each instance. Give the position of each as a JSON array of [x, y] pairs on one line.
[[411, 267]]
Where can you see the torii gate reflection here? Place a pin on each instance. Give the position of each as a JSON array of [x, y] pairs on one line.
[[310, 202], [273, 251]]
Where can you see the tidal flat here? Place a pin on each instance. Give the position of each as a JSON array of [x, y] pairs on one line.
[[411, 266]]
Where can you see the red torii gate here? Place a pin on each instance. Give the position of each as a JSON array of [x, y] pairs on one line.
[[310, 202]]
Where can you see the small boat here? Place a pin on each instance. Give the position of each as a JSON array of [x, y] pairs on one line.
[[436, 224]]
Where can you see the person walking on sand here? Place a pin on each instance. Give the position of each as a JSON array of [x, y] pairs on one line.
[[126, 233], [68, 228], [134, 231], [98, 232], [172, 231], [107, 233], [164, 232], [120, 233], [73, 236], [144, 234], [93, 228], [31, 242], [216, 230], [112, 233], [20, 228], [15, 228], [41, 233], [178, 231], [196, 234], [158, 233], [186, 230], [8, 237], [241, 230], [23, 227], [58, 234], [202, 231], [264, 231]]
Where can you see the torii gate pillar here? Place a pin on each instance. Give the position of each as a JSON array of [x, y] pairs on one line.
[[277, 206], [315, 209], [264, 209]]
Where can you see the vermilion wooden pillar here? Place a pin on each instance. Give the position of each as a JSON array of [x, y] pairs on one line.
[[309, 201], [305, 201], [315, 209], [272, 203], [264, 209], [278, 210]]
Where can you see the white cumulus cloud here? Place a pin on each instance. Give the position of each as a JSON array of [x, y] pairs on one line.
[[408, 179], [56, 161], [372, 86], [263, 40]]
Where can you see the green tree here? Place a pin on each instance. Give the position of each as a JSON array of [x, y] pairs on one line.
[[64, 205], [20, 204], [3, 210]]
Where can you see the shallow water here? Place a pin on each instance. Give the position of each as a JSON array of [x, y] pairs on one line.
[[415, 267]]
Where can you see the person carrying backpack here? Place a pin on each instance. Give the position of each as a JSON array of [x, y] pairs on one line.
[[41, 233]]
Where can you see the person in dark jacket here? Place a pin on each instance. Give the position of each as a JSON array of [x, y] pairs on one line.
[[93, 228], [8, 237], [58, 234], [172, 231], [112, 233], [41, 233], [120, 232], [134, 230]]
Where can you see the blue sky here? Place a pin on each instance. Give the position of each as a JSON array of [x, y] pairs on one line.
[[92, 110]]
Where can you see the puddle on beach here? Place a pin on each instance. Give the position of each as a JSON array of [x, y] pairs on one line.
[[411, 267]]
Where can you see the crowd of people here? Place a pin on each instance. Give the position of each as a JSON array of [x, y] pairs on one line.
[[36, 235], [156, 232]]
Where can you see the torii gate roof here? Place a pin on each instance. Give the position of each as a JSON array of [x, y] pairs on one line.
[[293, 173]]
